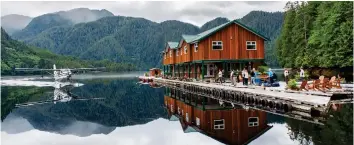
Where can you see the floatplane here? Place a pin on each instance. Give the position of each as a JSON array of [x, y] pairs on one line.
[[61, 94], [60, 74]]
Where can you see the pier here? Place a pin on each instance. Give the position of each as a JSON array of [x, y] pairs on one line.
[[309, 106]]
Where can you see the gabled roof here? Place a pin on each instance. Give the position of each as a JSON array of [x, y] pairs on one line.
[[189, 38], [173, 45], [209, 32], [174, 118]]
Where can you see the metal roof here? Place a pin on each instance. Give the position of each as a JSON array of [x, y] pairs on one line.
[[207, 33], [173, 45]]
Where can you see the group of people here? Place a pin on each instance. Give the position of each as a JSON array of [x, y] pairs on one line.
[[234, 76]]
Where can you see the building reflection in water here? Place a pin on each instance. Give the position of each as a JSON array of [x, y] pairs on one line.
[[227, 124]]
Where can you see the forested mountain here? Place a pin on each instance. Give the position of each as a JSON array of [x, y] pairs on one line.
[[268, 24], [213, 23], [12, 23], [134, 40], [317, 34], [61, 18], [17, 54]]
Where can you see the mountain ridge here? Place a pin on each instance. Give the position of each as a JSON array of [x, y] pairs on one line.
[[129, 39]]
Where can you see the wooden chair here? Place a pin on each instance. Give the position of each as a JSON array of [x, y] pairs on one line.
[[304, 86], [316, 85], [336, 84], [325, 85], [321, 78]]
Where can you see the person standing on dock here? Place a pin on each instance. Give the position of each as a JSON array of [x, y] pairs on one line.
[[270, 76], [253, 76], [232, 77], [220, 76], [245, 77], [302, 74], [286, 74]]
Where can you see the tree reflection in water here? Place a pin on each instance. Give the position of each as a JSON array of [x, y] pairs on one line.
[[338, 129]]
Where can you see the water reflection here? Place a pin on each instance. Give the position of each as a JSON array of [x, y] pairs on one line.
[[140, 114], [227, 124]]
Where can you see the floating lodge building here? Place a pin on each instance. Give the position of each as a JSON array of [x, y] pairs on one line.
[[229, 125], [230, 45]]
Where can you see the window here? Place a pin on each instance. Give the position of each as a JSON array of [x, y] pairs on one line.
[[251, 45], [216, 45], [170, 53], [195, 47], [252, 121], [185, 49], [181, 52], [197, 121], [219, 124], [177, 52], [179, 110], [171, 108], [187, 118]]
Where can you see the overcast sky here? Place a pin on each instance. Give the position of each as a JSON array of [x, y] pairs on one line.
[[195, 12]]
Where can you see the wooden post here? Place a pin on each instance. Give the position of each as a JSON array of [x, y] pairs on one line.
[[189, 70], [203, 103], [202, 70], [195, 70]]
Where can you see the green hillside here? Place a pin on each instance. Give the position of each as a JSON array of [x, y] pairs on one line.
[[17, 54], [134, 40]]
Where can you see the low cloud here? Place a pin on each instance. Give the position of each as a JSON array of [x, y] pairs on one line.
[[195, 12]]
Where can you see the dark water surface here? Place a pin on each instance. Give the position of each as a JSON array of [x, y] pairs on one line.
[[132, 114]]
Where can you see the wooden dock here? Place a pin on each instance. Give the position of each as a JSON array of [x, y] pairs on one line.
[[295, 104]]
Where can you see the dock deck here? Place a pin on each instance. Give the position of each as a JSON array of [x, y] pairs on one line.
[[298, 98], [310, 106]]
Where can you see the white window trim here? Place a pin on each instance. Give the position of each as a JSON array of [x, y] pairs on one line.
[[221, 126], [179, 110], [185, 49], [253, 123], [177, 52], [172, 108], [170, 53], [197, 121], [195, 47], [187, 117], [255, 45], [216, 45]]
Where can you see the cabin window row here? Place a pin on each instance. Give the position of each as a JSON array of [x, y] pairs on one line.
[[217, 45], [220, 124]]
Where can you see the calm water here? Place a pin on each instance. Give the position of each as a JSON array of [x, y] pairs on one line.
[[113, 109]]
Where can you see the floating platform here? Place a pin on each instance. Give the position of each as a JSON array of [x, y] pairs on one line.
[[296, 104]]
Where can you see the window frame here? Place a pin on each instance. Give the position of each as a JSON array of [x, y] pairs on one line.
[[185, 49], [212, 45], [187, 117], [171, 108], [196, 47], [197, 121], [170, 53], [253, 124], [255, 45], [177, 52], [220, 126]]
